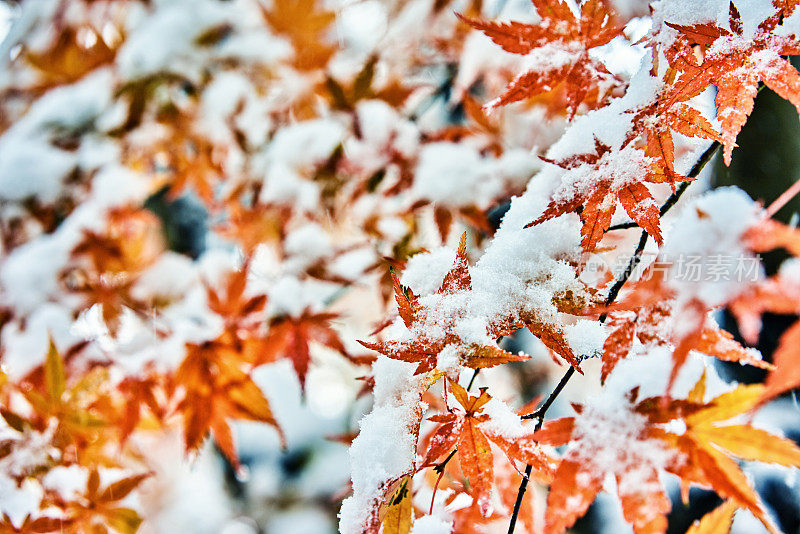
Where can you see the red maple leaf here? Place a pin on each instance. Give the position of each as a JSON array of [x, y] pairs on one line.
[[290, 337], [595, 196], [564, 40], [735, 63], [464, 432]]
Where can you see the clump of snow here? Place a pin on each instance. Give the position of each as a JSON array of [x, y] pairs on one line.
[[425, 272], [452, 174], [704, 246], [352, 264], [307, 244], [503, 421], [385, 448], [305, 143], [649, 370], [25, 346], [19, 502], [586, 338], [167, 279], [362, 25], [431, 524], [68, 482]]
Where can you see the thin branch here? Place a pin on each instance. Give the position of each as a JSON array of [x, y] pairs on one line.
[[782, 200], [634, 260], [471, 380], [440, 469], [539, 413]]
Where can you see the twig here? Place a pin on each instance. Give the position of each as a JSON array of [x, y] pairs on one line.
[[471, 380], [440, 469], [782, 200], [540, 412]]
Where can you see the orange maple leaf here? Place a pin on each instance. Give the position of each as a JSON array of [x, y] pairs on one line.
[[304, 23], [717, 521], [560, 33], [597, 201], [103, 506], [708, 438], [579, 478], [424, 349], [463, 431], [232, 305], [216, 389], [290, 337], [735, 63]]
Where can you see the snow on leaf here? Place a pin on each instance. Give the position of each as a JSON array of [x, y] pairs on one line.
[[471, 432], [734, 63], [593, 183], [433, 329], [560, 43]]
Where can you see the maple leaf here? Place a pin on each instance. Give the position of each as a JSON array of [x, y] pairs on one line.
[[735, 63], [140, 393], [38, 525], [233, 306], [305, 24], [770, 234], [707, 436], [347, 96], [700, 455], [618, 343], [217, 389], [399, 510], [425, 349], [290, 337], [786, 374], [778, 294], [80, 424], [106, 264], [464, 432], [717, 521], [595, 191], [580, 474], [102, 506], [656, 122], [651, 301], [67, 59], [563, 40], [252, 226]]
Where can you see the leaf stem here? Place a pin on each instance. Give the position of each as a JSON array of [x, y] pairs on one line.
[[440, 469]]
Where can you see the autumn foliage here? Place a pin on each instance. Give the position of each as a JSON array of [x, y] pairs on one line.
[[198, 196]]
